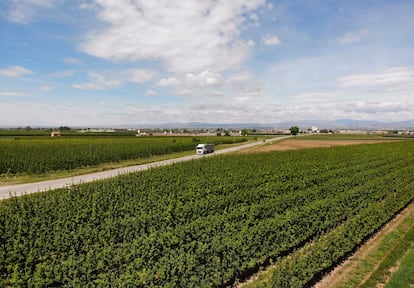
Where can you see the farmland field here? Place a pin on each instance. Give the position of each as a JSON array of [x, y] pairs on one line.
[[36, 155], [208, 223], [378, 258], [304, 143]]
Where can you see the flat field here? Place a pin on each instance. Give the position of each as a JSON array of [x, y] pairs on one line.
[[208, 223], [34, 155], [320, 141]]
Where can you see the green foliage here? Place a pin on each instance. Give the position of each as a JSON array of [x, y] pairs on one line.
[[404, 277], [206, 223], [294, 130], [305, 265], [36, 156]]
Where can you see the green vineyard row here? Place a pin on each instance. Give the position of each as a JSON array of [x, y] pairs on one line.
[[36, 156], [206, 223]]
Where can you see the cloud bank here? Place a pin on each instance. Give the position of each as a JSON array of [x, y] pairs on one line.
[[186, 36]]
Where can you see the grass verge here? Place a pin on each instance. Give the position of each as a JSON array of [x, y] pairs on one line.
[[385, 270], [404, 277]]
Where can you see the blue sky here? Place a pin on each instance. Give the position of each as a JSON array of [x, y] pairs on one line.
[[106, 63]]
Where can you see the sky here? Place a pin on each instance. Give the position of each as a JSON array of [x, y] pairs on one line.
[[135, 62]]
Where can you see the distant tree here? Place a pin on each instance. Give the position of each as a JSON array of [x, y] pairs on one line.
[[244, 132], [226, 133], [294, 130], [324, 131]]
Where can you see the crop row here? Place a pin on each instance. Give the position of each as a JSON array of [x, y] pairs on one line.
[[202, 223], [36, 156]]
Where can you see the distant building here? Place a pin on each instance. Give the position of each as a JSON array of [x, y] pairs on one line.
[[55, 134], [97, 130], [315, 129]]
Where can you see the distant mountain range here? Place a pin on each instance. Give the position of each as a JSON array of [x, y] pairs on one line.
[[302, 124], [351, 124]]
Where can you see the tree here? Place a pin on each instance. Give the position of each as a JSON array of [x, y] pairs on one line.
[[294, 130]]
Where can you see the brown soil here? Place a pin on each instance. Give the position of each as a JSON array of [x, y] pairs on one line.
[[303, 144]]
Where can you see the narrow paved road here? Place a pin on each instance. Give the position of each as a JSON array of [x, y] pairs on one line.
[[18, 190]]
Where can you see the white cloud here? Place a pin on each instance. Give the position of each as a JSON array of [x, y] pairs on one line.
[[45, 88], [24, 93], [186, 36], [151, 93], [89, 86], [254, 17], [353, 37], [23, 11], [373, 107], [98, 82], [13, 93], [204, 84], [114, 79], [89, 6], [239, 79], [271, 40], [246, 87], [185, 84], [56, 114], [115, 113], [168, 82], [139, 75], [204, 79], [72, 61], [62, 74], [392, 76], [14, 71]]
